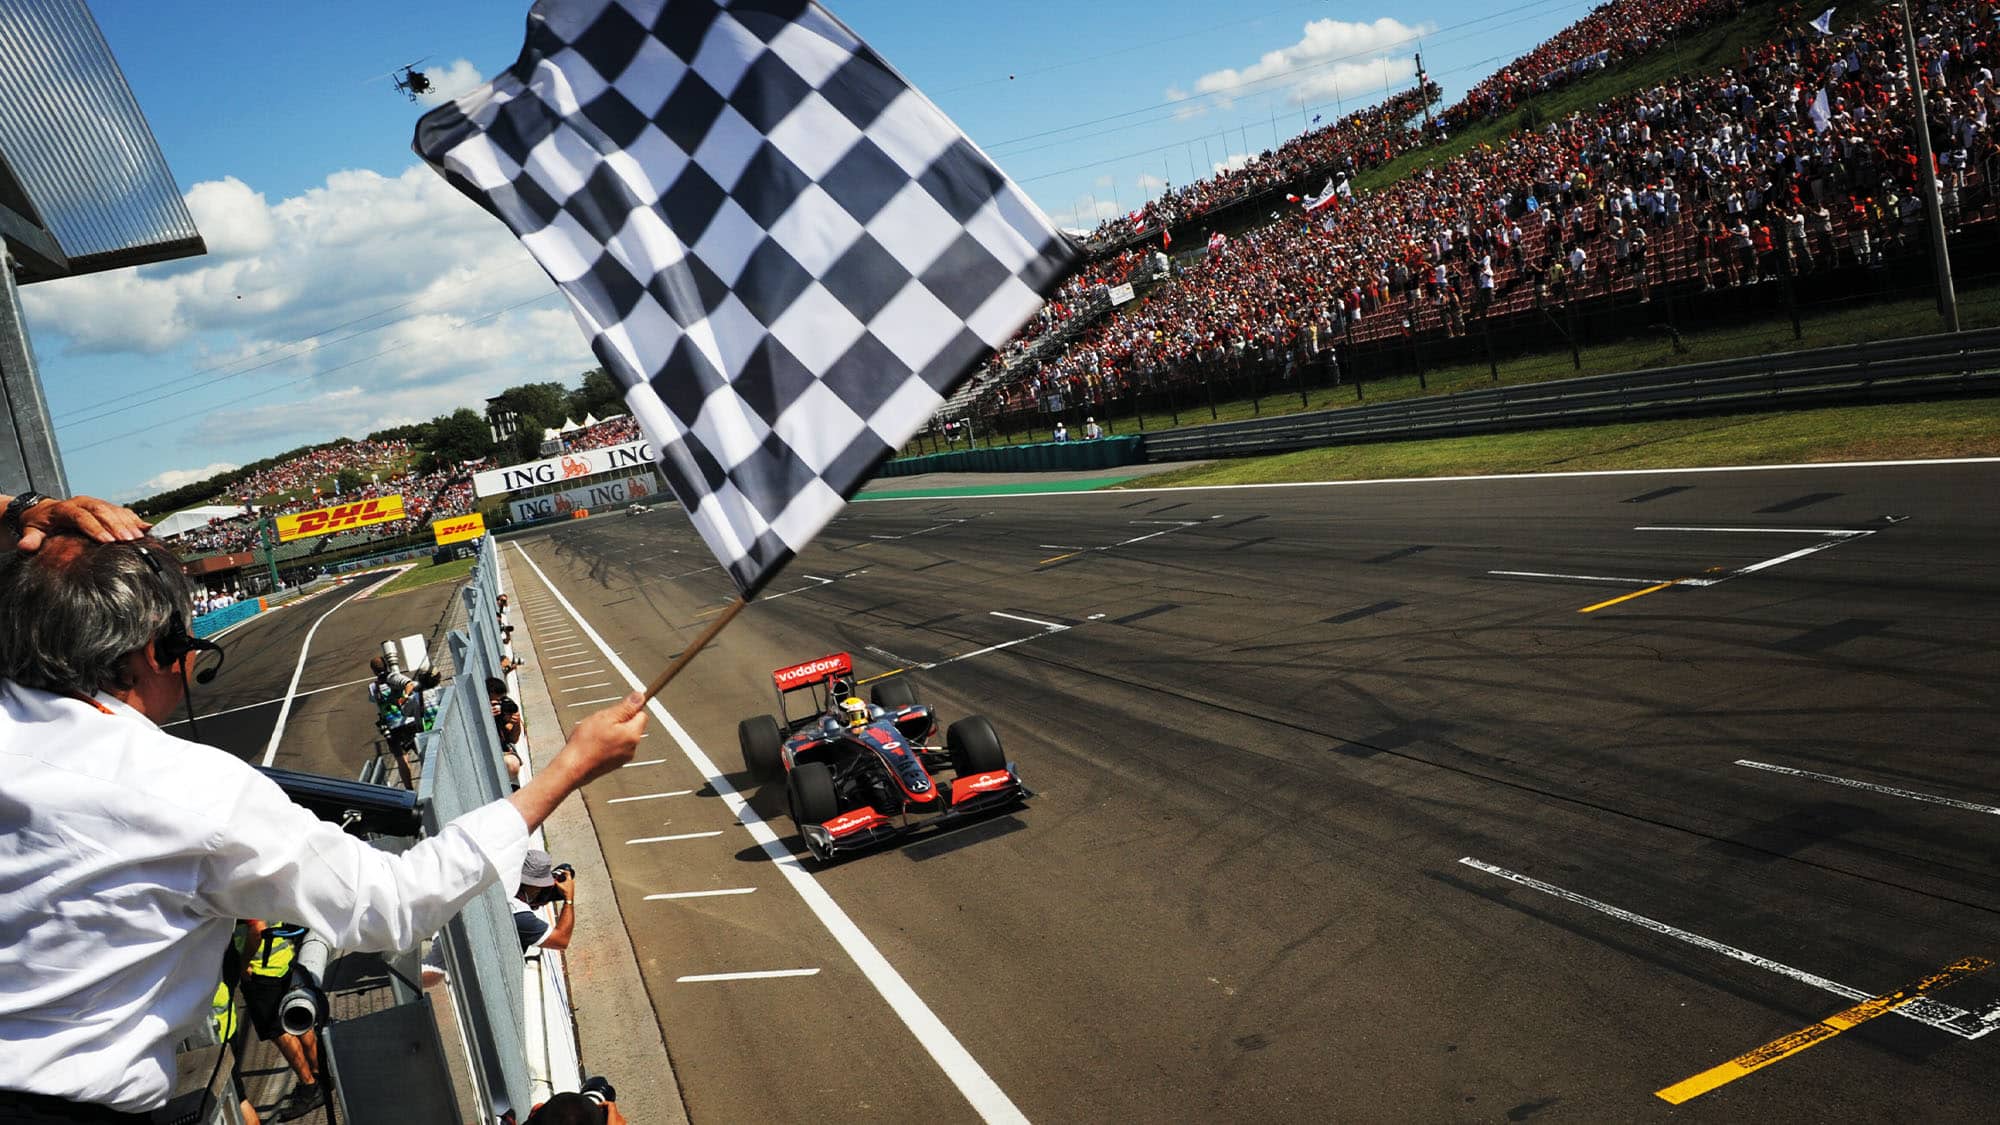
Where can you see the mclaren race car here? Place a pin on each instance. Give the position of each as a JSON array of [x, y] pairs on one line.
[[857, 774]]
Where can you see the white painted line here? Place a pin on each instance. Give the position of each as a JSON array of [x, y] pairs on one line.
[[586, 687], [1763, 530], [285, 712], [766, 974], [994, 648], [1798, 554], [580, 675], [700, 894], [1061, 547], [1169, 523], [1936, 1013], [647, 762], [890, 656], [964, 1071], [1050, 625], [588, 702], [670, 839], [803, 589], [573, 664], [1579, 577], [1101, 492], [647, 796], [265, 703], [1887, 790], [567, 650]]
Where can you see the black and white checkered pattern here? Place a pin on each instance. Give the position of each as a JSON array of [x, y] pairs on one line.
[[785, 253]]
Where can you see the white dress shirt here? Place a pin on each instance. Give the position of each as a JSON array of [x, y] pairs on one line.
[[127, 854]]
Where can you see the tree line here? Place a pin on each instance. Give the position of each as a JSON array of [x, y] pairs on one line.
[[460, 435]]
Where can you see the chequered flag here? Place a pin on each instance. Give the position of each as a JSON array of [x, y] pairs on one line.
[[784, 252]]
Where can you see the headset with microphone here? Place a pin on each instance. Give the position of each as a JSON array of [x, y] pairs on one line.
[[175, 642]]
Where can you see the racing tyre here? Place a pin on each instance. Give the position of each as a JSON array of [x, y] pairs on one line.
[[811, 787], [762, 742], [891, 694], [974, 747]]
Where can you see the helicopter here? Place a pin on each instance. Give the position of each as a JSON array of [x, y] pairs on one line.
[[411, 81]]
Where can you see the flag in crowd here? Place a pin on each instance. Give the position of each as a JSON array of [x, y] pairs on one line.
[[1216, 241], [1820, 112], [1324, 199], [785, 254], [1824, 24]]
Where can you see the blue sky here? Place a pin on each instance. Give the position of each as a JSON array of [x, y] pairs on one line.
[[348, 289]]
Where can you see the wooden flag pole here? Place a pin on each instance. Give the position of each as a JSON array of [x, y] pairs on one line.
[[687, 654]]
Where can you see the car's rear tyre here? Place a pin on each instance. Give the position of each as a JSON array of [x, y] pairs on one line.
[[891, 694], [974, 746], [811, 788], [763, 745]]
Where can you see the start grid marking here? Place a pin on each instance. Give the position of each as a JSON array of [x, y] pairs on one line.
[[1944, 1017], [1830, 538]]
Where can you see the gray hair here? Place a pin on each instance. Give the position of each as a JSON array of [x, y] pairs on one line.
[[76, 610]]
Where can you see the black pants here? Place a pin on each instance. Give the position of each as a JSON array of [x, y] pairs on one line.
[[40, 1109]]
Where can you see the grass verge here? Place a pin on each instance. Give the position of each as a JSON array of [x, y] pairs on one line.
[[425, 574], [1891, 432]]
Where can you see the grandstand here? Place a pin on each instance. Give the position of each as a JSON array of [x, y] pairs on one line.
[[1721, 190]]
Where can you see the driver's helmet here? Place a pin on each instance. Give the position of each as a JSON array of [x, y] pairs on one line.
[[839, 688], [853, 712]]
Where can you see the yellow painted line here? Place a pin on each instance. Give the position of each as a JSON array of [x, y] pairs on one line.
[[1789, 1045], [1627, 597], [1058, 558], [883, 676]]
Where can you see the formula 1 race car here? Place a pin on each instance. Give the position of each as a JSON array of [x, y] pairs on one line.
[[857, 774]]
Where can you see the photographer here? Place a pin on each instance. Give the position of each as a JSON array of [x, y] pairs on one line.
[[544, 881], [595, 1104], [129, 853]]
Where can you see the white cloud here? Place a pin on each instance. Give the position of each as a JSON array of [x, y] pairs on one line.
[[449, 82], [1330, 55], [293, 304], [1231, 162], [1084, 213], [1150, 183], [174, 478]]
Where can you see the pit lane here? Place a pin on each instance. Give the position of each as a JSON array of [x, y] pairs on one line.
[[1267, 725]]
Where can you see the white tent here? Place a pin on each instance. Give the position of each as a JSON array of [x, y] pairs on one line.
[[192, 519]]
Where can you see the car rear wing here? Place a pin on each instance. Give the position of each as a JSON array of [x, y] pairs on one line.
[[812, 673], [810, 676]]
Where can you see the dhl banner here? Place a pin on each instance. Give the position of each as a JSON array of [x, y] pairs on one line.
[[459, 528], [340, 517]]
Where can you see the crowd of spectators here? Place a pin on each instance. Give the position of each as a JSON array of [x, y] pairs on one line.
[[426, 496], [610, 432], [1610, 35], [288, 478], [1362, 139], [1724, 177]]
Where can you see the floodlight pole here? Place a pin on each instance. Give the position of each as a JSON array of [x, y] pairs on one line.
[[1927, 175]]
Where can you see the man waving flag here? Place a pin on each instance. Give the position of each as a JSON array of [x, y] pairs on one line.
[[785, 254]]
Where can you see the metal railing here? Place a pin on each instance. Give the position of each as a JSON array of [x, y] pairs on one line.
[[463, 770], [1918, 367]]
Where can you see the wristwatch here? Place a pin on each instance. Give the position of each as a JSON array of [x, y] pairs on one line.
[[19, 505]]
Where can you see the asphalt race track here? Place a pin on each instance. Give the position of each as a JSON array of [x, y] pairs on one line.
[[330, 728], [1336, 820]]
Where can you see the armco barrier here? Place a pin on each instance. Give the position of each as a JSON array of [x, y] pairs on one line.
[[1923, 367], [209, 624], [1042, 457]]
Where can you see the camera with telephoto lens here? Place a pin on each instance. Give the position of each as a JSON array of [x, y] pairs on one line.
[[562, 869], [598, 1089]]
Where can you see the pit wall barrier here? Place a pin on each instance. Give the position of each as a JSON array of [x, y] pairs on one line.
[[1042, 457], [209, 624]]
